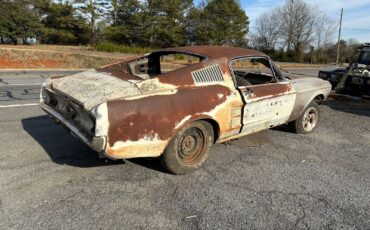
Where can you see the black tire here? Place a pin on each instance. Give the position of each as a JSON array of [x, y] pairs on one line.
[[189, 148], [308, 120]]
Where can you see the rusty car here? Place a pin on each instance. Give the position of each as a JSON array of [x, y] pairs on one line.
[[175, 103]]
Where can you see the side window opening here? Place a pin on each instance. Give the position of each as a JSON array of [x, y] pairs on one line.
[[252, 71]]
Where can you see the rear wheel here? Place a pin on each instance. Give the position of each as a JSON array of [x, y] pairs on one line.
[[189, 149], [308, 120]]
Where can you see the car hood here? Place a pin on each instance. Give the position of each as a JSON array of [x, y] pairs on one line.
[[310, 83], [91, 87]]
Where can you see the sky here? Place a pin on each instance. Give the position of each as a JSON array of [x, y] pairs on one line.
[[356, 17]]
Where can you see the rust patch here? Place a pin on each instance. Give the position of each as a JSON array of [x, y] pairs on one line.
[[120, 70], [156, 116], [181, 77], [274, 89], [56, 77]]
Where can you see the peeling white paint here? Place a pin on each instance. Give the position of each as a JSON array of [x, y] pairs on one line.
[[182, 122], [220, 95], [45, 84], [268, 111], [161, 93], [92, 88], [101, 120], [214, 111], [154, 85], [145, 147]]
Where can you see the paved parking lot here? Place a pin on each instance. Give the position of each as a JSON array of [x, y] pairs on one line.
[[272, 180]]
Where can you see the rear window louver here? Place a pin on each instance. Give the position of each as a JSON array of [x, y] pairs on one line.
[[209, 74]]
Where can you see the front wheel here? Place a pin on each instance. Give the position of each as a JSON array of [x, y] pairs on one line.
[[308, 120], [189, 149]]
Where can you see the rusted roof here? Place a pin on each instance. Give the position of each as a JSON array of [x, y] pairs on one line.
[[213, 52]]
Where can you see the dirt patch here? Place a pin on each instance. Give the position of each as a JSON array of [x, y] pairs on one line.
[[41, 57], [9, 63]]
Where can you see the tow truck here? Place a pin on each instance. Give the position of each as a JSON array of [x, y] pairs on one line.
[[354, 79]]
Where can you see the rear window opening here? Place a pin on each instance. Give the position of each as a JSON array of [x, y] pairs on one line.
[[162, 62]]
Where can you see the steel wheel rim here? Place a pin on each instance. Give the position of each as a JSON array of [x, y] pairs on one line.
[[310, 119], [191, 146]]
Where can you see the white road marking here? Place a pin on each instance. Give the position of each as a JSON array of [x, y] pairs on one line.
[[18, 105], [22, 84]]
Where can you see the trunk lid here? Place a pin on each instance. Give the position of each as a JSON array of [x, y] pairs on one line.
[[91, 88]]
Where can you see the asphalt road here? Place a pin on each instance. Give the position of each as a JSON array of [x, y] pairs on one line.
[[272, 180]]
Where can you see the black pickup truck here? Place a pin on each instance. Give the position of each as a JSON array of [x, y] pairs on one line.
[[354, 79]]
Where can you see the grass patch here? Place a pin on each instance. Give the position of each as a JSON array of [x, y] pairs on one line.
[[112, 47]]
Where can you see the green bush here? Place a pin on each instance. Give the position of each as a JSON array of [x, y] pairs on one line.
[[112, 47]]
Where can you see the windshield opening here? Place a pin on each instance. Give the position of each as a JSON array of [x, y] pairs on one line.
[[364, 57]]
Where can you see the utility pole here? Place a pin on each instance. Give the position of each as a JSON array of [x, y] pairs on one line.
[[340, 33]]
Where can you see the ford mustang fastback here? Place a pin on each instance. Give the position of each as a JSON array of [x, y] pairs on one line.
[[175, 103]]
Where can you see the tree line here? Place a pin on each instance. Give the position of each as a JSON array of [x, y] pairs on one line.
[[149, 23], [294, 31]]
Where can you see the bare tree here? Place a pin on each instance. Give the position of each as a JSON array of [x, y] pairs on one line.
[[324, 30], [349, 50], [293, 28], [267, 31], [297, 22]]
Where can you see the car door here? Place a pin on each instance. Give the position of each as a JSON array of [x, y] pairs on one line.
[[268, 100]]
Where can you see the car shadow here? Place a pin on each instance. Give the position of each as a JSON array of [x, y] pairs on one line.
[[149, 163], [61, 146], [349, 104], [283, 128]]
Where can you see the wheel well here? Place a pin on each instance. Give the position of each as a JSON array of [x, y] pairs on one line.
[[216, 128], [319, 99]]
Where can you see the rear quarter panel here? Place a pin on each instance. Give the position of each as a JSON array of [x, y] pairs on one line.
[[143, 126]]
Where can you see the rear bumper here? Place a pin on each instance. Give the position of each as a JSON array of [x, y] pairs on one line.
[[98, 144]]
